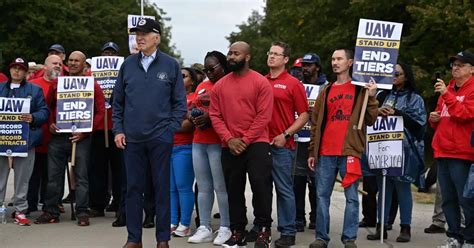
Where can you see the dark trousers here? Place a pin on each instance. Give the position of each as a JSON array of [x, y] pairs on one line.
[[299, 187], [59, 149], [99, 168], [155, 154], [369, 201], [38, 181], [257, 162]]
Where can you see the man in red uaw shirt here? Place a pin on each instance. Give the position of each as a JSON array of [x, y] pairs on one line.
[[39, 178], [453, 121], [241, 109], [289, 98]]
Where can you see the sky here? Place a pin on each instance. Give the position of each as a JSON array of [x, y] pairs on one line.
[[200, 26]]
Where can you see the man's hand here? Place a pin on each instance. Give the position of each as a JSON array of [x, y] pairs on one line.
[[53, 128], [76, 137], [311, 163], [386, 111], [120, 141], [236, 146], [440, 87], [435, 116], [371, 87], [279, 141], [27, 117], [201, 120]]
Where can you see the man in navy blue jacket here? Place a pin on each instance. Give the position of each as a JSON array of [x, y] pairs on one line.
[[18, 87], [149, 106]]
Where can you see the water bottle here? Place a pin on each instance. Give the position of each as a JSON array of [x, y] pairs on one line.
[[3, 215]]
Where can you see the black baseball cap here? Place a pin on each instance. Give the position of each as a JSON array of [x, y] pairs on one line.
[[110, 45], [20, 61], [311, 58], [464, 56], [147, 25], [57, 48]]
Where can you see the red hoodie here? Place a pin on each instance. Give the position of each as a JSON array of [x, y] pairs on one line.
[[453, 131]]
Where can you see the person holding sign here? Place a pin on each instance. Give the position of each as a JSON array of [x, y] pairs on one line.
[[18, 88], [289, 98], [61, 143], [403, 100], [453, 121], [149, 105], [337, 145]]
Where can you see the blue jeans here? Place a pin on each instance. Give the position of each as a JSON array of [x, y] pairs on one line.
[[326, 171], [452, 176], [405, 199], [283, 160], [210, 178], [155, 155], [181, 184]]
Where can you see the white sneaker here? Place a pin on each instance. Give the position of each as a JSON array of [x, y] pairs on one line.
[[203, 234], [451, 243], [182, 231], [223, 234]]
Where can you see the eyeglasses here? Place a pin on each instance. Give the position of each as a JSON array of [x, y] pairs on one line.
[[397, 74], [210, 70], [458, 65], [275, 54]]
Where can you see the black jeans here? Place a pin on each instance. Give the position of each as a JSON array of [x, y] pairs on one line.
[[99, 168], [257, 162], [38, 181], [299, 187], [59, 149]]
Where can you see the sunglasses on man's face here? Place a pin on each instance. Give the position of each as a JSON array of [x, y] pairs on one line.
[[210, 70]]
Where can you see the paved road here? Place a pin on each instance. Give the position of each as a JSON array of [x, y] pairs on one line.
[[101, 234]]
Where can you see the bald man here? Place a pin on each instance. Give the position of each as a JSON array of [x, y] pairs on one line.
[[39, 178], [59, 149], [245, 143]]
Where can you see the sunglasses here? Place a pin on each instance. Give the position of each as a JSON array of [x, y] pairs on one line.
[[397, 73], [210, 70]]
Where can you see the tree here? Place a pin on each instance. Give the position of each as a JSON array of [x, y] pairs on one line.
[[29, 29]]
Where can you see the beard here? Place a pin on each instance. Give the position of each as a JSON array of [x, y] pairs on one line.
[[236, 65], [53, 74]]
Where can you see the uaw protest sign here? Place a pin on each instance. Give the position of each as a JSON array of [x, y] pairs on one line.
[[385, 143], [75, 105], [105, 70], [13, 131], [376, 52]]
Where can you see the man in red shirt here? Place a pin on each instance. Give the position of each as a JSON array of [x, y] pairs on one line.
[[338, 144], [39, 178], [241, 109], [453, 122], [58, 50], [289, 98], [59, 148]]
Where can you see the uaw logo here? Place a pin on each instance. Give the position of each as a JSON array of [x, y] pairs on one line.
[[9, 152], [19, 60], [73, 128], [141, 22], [162, 75]]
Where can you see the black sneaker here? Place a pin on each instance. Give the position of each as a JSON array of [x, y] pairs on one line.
[[70, 198], [237, 240], [251, 236], [300, 228], [264, 239], [285, 241], [435, 229], [46, 218], [312, 225]]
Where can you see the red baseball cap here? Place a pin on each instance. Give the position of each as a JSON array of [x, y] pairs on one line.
[[297, 62]]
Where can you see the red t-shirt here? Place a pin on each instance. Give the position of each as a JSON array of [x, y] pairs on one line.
[[3, 78], [339, 110], [289, 97], [185, 138], [47, 87], [241, 107], [202, 101]]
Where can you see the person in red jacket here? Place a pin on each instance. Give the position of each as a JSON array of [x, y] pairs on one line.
[[39, 178], [453, 122], [241, 109], [3, 77], [59, 148]]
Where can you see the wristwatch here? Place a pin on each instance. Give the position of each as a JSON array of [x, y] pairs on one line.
[[287, 135]]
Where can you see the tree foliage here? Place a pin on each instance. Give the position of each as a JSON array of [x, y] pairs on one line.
[[29, 28], [433, 30]]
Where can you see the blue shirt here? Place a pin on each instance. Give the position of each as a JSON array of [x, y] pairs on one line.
[[146, 60]]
